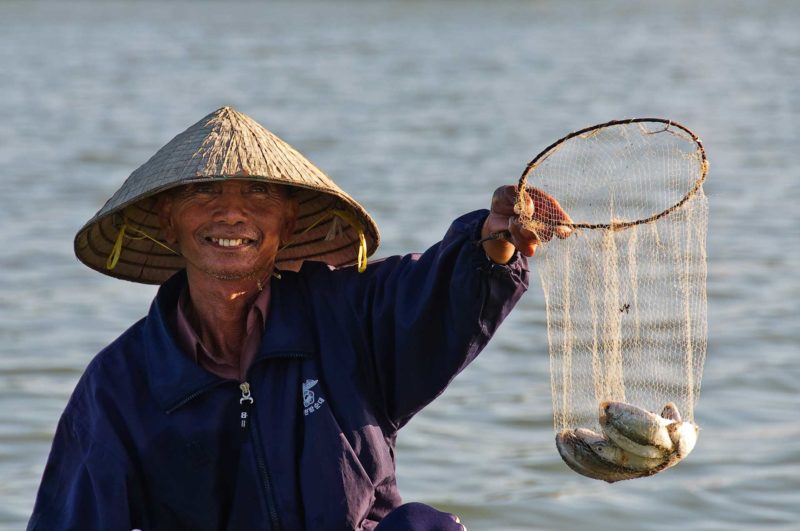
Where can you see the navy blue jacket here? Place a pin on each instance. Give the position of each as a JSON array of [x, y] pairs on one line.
[[150, 440]]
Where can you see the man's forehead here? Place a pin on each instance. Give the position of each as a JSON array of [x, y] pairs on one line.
[[235, 183]]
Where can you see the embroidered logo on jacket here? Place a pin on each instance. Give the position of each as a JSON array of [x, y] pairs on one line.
[[310, 401]]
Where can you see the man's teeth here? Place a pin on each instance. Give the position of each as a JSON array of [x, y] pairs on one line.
[[226, 242]]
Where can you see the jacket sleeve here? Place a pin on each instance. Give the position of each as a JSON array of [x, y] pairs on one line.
[[423, 318], [84, 486]]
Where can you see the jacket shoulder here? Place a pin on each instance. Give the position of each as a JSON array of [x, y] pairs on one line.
[[117, 368], [126, 349]]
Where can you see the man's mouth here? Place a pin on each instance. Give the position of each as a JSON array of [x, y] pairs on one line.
[[230, 242]]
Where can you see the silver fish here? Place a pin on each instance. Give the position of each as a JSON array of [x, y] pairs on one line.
[[684, 437], [682, 433], [636, 430], [635, 443], [608, 451], [578, 455]]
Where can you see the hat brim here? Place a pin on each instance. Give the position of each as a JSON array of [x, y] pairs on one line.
[[129, 220]]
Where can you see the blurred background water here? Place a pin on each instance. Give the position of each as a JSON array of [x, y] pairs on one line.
[[420, 109]]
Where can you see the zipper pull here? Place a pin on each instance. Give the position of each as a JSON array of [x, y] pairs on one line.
[[245, 402]]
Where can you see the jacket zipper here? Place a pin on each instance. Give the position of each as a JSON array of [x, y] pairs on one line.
[[246, 419], [245, 402]]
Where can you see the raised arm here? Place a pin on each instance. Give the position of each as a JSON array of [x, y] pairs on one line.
[[418, 320]]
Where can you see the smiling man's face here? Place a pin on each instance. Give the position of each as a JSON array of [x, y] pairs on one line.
[[228, 229]]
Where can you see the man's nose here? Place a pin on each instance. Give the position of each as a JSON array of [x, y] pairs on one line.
[[229, 207]]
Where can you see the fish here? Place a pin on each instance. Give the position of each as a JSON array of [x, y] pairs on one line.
[[579, 456], [608, 451], [684, 437], [635, 442], [637, 430], [646, 434], [682, 433]]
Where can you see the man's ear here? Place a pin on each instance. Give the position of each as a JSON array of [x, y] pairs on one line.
[[164, 208], [289, 219]]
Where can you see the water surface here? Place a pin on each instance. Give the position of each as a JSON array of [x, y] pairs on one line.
[[420, 109]]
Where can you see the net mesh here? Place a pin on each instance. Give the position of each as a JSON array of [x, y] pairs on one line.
[[626, 290]]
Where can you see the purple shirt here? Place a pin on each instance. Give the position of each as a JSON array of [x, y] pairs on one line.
[[192, 345]]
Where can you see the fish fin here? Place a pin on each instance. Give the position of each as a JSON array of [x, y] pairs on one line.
[[670, 412]]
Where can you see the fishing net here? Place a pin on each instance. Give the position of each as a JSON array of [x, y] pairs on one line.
[[626, 289]]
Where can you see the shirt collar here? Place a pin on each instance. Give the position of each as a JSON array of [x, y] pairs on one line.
[[175, 379], [192, 345]]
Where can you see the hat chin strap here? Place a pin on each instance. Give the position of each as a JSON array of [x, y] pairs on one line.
[[337, 216], [116, 251]]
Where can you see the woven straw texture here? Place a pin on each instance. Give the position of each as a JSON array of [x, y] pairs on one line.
[[224, 144]]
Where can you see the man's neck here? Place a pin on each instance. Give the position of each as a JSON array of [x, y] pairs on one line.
[[218, 311]]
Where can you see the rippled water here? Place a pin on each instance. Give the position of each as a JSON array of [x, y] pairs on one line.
[[420, 109]]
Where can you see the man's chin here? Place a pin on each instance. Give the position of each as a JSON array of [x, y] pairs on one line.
[[237, 275], [234, 275]]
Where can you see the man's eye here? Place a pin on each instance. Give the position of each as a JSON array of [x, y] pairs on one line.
[[194, 189], [203, 188], [259, 188]]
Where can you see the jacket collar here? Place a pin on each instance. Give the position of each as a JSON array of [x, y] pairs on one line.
[[175, 379]]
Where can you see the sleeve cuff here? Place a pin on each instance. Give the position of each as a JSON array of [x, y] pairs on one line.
[[515, 266]]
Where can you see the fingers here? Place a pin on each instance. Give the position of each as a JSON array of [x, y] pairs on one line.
[[503, 200], [546, 210], [523, 239], [549, 208], [549, 212], [548, 219], [503, 217]]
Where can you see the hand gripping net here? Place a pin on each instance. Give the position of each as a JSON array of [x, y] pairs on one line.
[[626, 291]]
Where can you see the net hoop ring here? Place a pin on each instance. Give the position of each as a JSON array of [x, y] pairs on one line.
[[669, 126]]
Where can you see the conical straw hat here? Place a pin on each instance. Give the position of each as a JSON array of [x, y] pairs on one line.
[[124, 239]]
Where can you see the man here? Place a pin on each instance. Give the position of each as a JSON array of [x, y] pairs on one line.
[[265, 388]]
